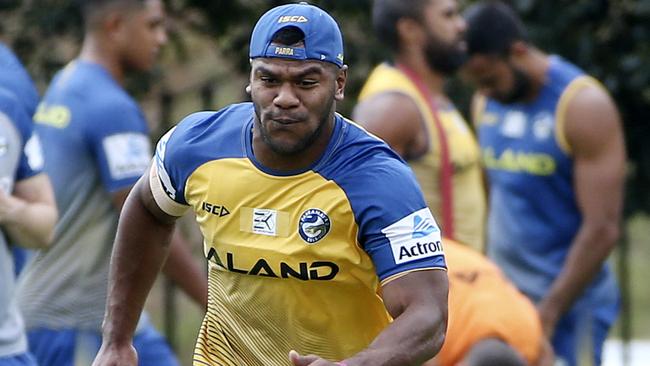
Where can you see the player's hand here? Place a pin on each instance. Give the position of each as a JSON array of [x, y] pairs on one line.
[[547, 357], [549, 316], [116, 356], [308, 360], [7, 203]]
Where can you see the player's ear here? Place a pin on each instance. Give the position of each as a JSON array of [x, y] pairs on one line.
[[248, 89]]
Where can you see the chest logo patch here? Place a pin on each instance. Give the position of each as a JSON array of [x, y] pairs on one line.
[[265, 221], [314, 225]]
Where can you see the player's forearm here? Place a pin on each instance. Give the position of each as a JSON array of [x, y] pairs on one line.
[[29, 224], [413, 338], [183, 270], [591, 247], [140, 249]]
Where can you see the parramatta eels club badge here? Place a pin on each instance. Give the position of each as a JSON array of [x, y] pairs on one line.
[[314, 225]]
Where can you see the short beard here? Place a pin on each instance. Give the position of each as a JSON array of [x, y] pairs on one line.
[[520, 89], [289, 150], [444, 58]]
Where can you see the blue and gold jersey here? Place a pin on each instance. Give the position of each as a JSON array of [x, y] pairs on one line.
[[533, 216], [296, 260]]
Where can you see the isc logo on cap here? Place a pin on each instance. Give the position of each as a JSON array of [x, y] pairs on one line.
[[292, 19]]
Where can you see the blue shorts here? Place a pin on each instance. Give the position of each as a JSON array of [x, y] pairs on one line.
[[580, 335], [21, 255], [24, 359], [72, 347]]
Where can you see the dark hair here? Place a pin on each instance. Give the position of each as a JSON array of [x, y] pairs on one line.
[[92, 10], [288, 36], [386, 14], [492, 27], [493, 352]]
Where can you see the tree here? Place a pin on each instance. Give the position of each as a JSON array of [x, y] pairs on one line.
[[607, 38]]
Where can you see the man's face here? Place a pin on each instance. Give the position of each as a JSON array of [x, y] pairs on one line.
[[294, 101], [497, 78], [143, 35], [445, 47]]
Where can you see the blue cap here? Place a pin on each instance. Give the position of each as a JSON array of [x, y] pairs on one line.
[[323, 40]]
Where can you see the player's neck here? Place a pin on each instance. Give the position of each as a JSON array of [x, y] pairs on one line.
[[434, 80], [536, 63], [96, 51], [291, 162]]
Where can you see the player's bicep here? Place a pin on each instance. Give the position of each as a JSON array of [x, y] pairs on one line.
[[144, 189], [393, 117], [428, 289], [166, 178], [156, 195], [35, 189], [594, 132]]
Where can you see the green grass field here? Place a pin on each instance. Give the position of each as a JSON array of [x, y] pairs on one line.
[[638, 259]]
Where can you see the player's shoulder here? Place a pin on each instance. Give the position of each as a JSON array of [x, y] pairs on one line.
[[209, 135], [11, 108], [8, 100], [564, 77], [91, 86], [362, 160]]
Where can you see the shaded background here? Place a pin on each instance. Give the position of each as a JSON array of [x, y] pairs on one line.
[[205, 67]]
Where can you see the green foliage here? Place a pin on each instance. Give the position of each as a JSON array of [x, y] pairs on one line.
[[607, 38]]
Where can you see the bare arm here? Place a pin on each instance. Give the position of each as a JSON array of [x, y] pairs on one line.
[[394, 118], [593, 130], [29, 214], [141, 247], [180, 266], [418, 303], [476, 108]]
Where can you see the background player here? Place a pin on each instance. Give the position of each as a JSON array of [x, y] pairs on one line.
[[96, 146], [15, 79], [27, 216], [555, 157], [490, 321], [404, 103]]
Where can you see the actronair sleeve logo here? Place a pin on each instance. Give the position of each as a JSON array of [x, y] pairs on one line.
[[414, 237]]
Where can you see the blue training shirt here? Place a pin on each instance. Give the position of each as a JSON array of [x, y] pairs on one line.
[[533, 216], [96, 142], [20, 158]]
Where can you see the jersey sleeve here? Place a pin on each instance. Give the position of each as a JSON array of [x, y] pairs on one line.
[[30, 160], [118, 137], [168, 193], [174, 161], [397, 228]]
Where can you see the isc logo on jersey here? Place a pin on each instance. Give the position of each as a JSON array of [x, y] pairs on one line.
[[414, 237]]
